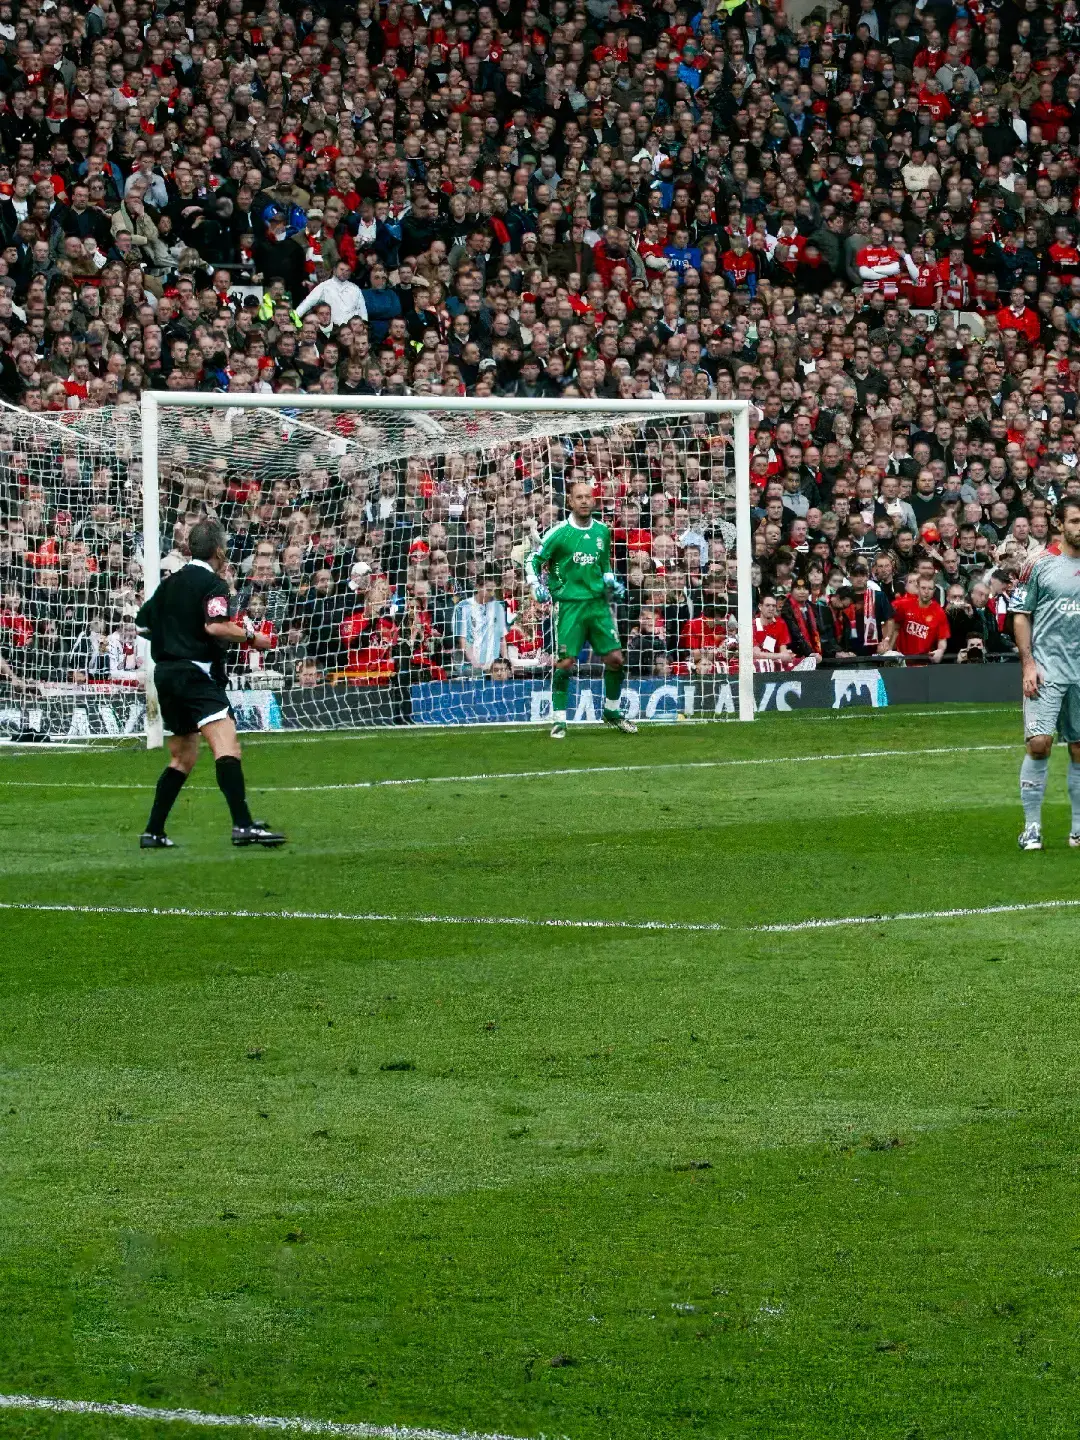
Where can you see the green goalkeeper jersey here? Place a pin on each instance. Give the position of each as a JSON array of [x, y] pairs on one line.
[[576, 558]]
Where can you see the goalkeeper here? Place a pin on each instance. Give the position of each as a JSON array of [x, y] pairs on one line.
[[573, 568]]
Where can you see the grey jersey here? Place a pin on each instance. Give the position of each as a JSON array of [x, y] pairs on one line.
[[1049, 591]]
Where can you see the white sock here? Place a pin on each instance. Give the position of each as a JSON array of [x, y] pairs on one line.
[[1033, 774], [1074, 795], [559, 717]]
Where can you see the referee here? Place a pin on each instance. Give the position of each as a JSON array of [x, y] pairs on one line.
[[187, 619]]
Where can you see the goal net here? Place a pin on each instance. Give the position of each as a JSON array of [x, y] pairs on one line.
[[381, 546], [71, 576]]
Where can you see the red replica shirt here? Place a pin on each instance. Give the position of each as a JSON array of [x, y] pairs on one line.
[[737, 266], [1026, 323], [1064, 259], [526, 645], [18, 629], [1053, 118], [874, 255], [922, 627], [772, 638], [871, 258], [938, 105], [922, 292], [702, 633], [956, 284], [627, 541]]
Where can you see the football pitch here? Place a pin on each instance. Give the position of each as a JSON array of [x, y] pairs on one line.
[[390, 1149]]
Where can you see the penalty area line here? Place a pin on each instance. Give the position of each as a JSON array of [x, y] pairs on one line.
[[293, 1425], [530, 922], [500, 776]]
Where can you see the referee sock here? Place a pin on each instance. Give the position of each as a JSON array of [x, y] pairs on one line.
[[230, 779], [1033, 774], [1074, 795], [613, 680], [170, 783], [560, 693]]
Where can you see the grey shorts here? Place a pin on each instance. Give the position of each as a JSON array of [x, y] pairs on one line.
[[1055, 708]]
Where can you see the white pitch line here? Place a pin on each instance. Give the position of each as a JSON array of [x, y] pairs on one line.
[[295, 1425], [946, 711], [530, 922], [497, 775]]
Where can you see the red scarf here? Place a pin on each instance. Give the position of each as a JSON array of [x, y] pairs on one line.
[[870, 625], [313, 254], [806, 624]]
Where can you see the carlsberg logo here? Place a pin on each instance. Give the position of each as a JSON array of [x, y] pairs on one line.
[[582, 557], [1068, 607]]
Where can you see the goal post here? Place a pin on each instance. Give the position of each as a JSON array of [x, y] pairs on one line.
[[480, 463], [151, 530]]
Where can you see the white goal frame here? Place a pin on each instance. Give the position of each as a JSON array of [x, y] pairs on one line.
[[153, 401]]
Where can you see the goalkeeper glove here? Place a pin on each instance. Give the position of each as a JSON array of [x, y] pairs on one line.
[[614, 586], [541, 594], [248, 626]]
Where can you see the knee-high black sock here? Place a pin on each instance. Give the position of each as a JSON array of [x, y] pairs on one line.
[[170, 783], [230, 779]]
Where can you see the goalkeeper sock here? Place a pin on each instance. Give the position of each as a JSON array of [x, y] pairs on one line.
[[1074, 795], [1033, 774], [230, 779], [560, 692], [613, 679], [170, 783]]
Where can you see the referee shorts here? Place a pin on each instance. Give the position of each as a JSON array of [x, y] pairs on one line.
[[188, 697], [1055, 708]]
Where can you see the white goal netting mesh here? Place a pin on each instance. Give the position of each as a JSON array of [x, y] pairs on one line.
[[382, 551]]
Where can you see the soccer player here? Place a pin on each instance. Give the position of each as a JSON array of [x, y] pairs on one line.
[[1045, 606], [187, 619], [576, 558]]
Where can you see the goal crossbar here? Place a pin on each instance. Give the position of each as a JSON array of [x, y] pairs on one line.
[[153, 402]]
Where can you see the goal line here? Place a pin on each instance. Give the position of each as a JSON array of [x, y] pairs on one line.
[[528, 922]]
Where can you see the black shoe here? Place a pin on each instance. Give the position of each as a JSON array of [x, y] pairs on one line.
[[155, 842], [257, 833]]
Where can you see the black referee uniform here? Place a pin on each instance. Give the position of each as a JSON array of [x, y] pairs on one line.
[[189, 667], [189, 664]]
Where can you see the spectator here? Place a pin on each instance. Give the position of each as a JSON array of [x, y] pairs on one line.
[[125, 652], [772, 639], [799, 615], [923, 627], [525, 645], [480, 630], [649, 209]]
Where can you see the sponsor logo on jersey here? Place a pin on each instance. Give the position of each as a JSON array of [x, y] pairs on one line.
[[1068, 607], [583, 557]]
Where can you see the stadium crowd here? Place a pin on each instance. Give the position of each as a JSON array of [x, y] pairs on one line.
[[865, 221]]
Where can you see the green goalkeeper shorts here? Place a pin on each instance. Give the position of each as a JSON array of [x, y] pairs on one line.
[[584, 622]]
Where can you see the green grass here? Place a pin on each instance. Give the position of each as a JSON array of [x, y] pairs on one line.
[[808, 1185]]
